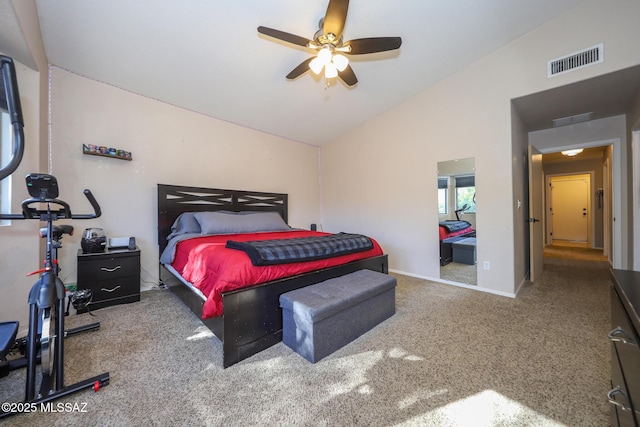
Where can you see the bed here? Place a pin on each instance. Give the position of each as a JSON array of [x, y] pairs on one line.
[[450, 231], [247, 319]]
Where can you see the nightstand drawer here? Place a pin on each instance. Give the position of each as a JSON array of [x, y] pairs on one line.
[[112, 292], [109, 268], [109, 289]]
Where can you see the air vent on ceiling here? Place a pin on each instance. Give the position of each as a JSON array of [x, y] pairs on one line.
[[576, 60], [572, 120]]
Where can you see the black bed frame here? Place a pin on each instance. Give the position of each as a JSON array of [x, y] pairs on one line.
[[252, 319]]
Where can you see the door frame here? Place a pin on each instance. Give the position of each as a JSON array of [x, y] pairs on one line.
[[548, 225], [615, 254], [536, 213], [635, 176], [606, 214]]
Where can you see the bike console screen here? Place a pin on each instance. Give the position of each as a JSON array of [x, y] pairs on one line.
[[42, 186]]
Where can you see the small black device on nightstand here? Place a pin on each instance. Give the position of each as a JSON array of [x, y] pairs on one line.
[[132, 243]]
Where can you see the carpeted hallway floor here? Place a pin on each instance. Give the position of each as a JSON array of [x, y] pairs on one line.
[[450, 356], [570, 252]]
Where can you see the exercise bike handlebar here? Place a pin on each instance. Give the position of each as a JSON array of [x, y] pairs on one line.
[[97, 212], [62, 212], [9, 83]]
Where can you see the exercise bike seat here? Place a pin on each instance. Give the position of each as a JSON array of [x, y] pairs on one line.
[[8, 331]]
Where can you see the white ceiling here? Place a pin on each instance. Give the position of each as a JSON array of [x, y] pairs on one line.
[[207, 56]]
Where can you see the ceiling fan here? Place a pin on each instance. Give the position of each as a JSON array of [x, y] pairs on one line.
[[329, 46]]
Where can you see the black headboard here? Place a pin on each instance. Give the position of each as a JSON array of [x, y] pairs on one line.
[[175, 199]]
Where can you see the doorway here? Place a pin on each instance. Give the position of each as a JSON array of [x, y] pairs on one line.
[[569, 213], [605, 198]]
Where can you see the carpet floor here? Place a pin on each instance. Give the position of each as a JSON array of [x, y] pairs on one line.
[[450, 356]]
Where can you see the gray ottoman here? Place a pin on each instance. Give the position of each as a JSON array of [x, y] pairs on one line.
[[464, 251], [321, 318]]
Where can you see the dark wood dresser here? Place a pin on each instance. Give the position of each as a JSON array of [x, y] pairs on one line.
[[113, 277], [625, 354]]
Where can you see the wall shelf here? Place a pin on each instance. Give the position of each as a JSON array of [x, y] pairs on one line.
[[106, 152]]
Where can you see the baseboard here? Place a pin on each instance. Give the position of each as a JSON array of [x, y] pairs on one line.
[[524, 280], [460, 285]]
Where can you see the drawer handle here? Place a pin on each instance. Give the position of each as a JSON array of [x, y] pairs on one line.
[[620, 335], [611, 397], [111, 290], [110, 270]]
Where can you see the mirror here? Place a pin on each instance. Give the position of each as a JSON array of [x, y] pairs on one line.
[[10, 117], [457, 221]]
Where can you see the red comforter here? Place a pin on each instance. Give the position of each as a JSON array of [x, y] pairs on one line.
[[213, 269], [444, 234]]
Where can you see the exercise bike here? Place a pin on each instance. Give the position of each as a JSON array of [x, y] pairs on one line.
[[45, 338]]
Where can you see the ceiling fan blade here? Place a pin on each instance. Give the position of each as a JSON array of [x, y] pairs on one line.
[[281, 35], [335, 18], [300, 69], [373, 45], [348, 76]]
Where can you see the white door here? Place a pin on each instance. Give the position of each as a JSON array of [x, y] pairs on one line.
[[570, 208], [536, 232]]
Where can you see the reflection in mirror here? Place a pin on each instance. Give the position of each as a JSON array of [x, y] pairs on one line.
[[457, 221]]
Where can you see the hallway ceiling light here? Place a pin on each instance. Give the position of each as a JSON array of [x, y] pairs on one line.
[[573, 152]]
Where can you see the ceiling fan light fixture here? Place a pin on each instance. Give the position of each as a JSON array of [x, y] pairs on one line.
[[572, 153], [316, 65], [340, 61], [324, 55], [330, 70]]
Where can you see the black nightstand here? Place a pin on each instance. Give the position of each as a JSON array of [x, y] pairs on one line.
[[113, 276]]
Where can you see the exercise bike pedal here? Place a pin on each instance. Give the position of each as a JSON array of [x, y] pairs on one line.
[[20, 346]]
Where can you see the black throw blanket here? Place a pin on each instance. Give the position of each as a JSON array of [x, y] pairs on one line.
[[285, 251], [452, 225]]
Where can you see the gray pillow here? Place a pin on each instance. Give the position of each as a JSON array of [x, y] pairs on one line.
[[230, 223], [185, 223]]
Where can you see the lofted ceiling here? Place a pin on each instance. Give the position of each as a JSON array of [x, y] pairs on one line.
[[207, 56]]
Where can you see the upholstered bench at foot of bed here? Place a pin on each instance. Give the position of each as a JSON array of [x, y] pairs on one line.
[[464, 251], [321, 318], [446, 249]]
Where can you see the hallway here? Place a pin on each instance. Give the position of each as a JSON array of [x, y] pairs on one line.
[[573, 251]]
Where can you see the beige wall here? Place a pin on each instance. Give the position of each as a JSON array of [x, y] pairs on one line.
[[380, 178], [170, 146]]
